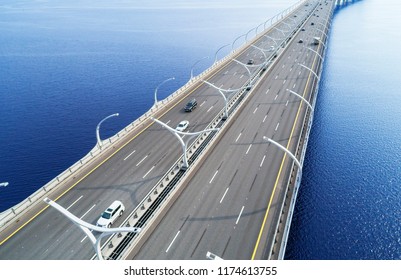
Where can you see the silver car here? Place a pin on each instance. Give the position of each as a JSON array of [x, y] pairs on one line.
[[182, 126]]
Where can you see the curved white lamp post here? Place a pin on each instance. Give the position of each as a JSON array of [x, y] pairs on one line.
[[289, 25], [157, 88], [323, 32], [232, 45], [285, 150], [318, 54], [271, 23], [313, 72], [224, 97], [257, 27], [215, 55], [262, 50], [300, 96], [99, 141], [274, 40], [177, 134], [246, 35], [86, 227], [193, 66], [282, 31]]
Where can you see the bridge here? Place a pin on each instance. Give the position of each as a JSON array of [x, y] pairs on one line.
[[224, 188]]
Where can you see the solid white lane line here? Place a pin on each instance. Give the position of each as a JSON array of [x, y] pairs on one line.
[[293, 86], [291, 69], [286, 104], [267, 90], [202, 104], [277, 126], [238, 137], [276, 77], [283, 66], [85, 237], [141, 160], [264, 118], [209, 109], [148, 172], [221, 200], [88, 211], [175, 237], [130, 155], [241, 76], [248, 149], [211, 180], [239, 216], [255, 110], [299, 73], [168, 121], [284, 82], [276, 97], [262, 161], [74, 202]]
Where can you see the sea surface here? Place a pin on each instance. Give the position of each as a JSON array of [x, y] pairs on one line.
[[67, 64]]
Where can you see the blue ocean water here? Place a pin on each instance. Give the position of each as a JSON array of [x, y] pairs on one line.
[[349, 202], [65, 65]]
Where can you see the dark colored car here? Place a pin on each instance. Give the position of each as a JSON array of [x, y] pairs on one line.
[[190, 105]]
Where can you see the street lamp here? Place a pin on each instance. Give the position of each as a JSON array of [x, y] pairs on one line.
[[289, 25], [256, 31], [274, 40], [157, 88], [285, 150], [225, 116], [232, 45], [193, 66], [177, 134], [313, 72], [279, 30], [99, 141], [87, 227], [300, 96], [215, 55], [324, 33], [246, 35], [312, 50]]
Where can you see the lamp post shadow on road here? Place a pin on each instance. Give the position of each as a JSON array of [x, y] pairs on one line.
[[87, 228]]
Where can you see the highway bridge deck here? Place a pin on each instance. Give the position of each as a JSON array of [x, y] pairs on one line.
[[232, 205]]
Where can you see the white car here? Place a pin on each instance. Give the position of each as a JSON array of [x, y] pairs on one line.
[[182, 125], [111, 214]]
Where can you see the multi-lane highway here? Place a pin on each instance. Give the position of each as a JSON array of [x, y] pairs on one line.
[[224, 208], [226, 203]]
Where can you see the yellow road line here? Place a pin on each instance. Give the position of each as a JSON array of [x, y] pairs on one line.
[[90, 172], [281, 167]]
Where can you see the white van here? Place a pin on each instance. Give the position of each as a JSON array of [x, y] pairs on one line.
[[108, 217]]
